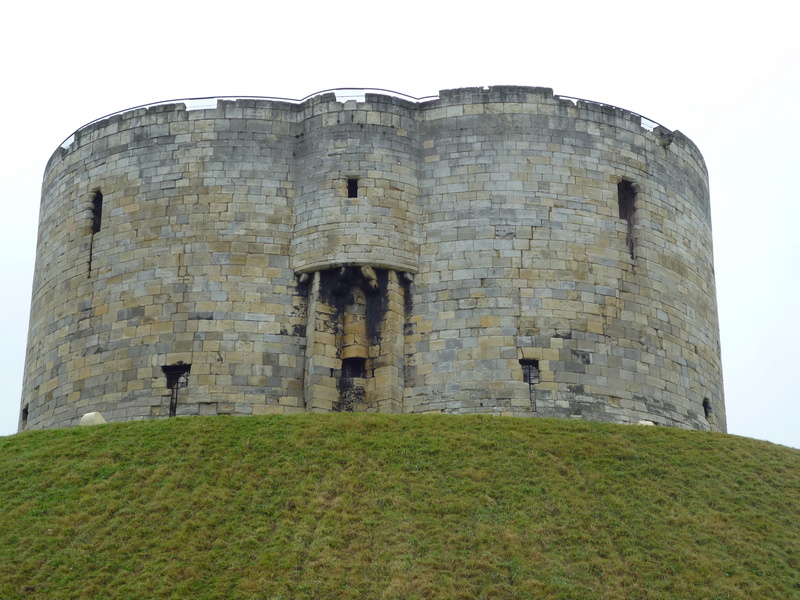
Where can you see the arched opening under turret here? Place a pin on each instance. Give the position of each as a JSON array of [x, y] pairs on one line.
[[355, 340]]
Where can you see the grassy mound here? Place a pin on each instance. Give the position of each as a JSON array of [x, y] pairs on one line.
[[378, 506]]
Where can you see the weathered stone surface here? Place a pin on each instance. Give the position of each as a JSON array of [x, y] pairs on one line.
[[92, 418], [381, 255]]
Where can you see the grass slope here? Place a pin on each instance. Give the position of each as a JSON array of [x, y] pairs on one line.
[[379, 506]]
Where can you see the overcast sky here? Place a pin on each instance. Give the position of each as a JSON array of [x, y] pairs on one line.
[[728, 78]]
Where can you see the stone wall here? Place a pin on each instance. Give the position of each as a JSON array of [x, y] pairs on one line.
[[500, 250]]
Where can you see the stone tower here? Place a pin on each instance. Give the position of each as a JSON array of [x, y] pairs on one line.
[[502, 251]]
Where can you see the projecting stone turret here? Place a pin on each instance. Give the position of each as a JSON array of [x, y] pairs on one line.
[[501, 251]]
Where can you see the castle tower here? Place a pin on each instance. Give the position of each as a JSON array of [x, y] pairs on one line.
[[501, 251]]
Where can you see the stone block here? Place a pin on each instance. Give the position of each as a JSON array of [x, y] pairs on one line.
[[92, 418]]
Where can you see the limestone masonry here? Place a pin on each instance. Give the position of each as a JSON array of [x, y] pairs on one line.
[[501, 251]]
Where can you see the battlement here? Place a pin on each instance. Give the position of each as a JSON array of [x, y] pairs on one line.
[[477, 95], [496, 250]]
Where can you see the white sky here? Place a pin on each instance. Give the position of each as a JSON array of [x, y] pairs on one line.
[[729, 78]]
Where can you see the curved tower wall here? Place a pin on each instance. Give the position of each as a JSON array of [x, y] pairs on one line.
[[527, 259], [190, 265], [373, 144], [506, 252]]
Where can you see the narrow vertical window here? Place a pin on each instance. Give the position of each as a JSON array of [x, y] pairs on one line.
[[97, 210], [97, 216], [530, 375], [177, 378], [626, 195], [352, 187], [707, 408], [24, 416]]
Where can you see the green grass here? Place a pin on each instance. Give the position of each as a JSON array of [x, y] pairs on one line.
[[396, 507]]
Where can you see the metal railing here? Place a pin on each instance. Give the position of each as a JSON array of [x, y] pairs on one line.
[[647, 122]]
